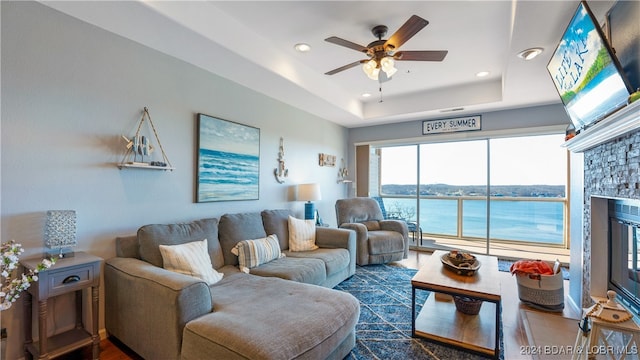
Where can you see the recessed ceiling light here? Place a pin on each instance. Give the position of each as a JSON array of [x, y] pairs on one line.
[[482, 73], [366, 95], [302, 47], [529, 54]]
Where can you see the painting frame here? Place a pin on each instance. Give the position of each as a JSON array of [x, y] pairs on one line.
[[228, 160]]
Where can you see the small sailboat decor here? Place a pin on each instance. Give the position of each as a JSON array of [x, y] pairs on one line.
[[140, 146]]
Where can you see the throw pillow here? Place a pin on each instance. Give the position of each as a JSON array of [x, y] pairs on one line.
[[253, 253], [190, 259], [302, 234]]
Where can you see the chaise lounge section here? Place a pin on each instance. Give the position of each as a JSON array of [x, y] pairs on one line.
[[283, 309]]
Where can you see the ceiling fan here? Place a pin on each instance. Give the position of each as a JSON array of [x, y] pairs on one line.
[[383, 53]]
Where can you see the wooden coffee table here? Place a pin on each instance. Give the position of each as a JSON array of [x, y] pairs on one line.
[[441, 322]]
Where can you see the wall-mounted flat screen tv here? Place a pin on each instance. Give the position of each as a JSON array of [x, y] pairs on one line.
[[586, 73]]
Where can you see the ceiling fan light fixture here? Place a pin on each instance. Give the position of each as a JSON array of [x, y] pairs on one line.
[[529, 54], [388, 66], [374, 74], [371, 69]]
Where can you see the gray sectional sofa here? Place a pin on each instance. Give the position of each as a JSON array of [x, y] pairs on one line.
[[283, 309]]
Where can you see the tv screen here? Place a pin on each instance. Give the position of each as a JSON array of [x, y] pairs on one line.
[[585, 72]]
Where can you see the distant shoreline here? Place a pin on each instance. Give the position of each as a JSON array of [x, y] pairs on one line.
[[547, 191]]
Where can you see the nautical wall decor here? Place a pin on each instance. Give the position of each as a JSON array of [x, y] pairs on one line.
[[281, 172], [228, 160], [326, 160], [343, 173], [140, 148]]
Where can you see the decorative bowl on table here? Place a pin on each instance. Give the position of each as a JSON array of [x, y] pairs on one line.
[[457, 257], [468, 267]]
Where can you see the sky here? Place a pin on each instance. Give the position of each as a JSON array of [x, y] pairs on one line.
[[218, 134], [532, 160]]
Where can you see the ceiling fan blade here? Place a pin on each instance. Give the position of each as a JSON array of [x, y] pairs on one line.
[[342, 68], [427, 55], [346, 43], [406, 31]]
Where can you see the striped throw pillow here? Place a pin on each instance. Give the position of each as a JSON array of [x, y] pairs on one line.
[[253, 253], [190, 259], [302, 234]]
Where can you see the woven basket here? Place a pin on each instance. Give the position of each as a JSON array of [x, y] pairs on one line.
[[467, 306], [544, 292]]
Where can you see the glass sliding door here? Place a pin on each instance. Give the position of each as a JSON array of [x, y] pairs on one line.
[[398, 186], [528, 189], [453, 190]]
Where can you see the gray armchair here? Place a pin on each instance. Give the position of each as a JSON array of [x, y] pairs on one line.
[[378, 241]]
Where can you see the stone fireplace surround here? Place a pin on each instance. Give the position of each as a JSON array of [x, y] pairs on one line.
[[611, 170]]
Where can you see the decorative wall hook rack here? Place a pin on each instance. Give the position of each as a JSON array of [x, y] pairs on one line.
[[343, 172], [281, 172], [140, 145]]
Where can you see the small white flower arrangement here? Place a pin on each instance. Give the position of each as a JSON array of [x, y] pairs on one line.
[[13, 286]]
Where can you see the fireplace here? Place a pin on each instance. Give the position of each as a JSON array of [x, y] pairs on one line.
[[602, 173], [623, 273]]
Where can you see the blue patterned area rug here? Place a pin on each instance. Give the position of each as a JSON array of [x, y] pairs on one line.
[[384, 329]]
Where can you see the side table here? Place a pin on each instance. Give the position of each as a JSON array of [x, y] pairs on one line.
[[588, 344], [72, 274]]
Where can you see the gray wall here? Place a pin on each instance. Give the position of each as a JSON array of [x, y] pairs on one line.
[[70, 90], [537, 116]]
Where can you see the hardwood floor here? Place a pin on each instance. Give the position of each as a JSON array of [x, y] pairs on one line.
[[515, 337]]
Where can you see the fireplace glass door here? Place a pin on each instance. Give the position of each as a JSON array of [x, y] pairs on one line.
[[624, 251]]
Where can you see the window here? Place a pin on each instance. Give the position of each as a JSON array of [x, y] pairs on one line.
[[448, 188]]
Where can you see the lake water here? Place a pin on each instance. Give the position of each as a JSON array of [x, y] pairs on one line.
[[531, 221]]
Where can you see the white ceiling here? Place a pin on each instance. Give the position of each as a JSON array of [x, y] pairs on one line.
[[252, 43]]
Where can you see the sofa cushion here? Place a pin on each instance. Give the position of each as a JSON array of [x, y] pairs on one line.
[[253, 253], [190, 259], [302, 234], [150, 237], [317, 321], [335, 260], [234, 228], [385, 242], [277, 222], [305, 270]]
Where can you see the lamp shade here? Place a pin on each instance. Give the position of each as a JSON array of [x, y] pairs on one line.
[[309, 192]]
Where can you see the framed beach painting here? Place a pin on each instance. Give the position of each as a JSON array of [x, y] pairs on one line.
[[228, 160]]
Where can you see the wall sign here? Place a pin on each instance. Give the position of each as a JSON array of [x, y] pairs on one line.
[[326, 160], [469, 123]]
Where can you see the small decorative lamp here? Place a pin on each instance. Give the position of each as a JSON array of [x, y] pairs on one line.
[[60, 232], [309, 193]]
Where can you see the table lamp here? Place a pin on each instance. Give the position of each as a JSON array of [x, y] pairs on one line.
[[309, 193], [60, 232]]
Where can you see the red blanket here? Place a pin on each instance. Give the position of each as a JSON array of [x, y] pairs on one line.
[[531, 267]]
